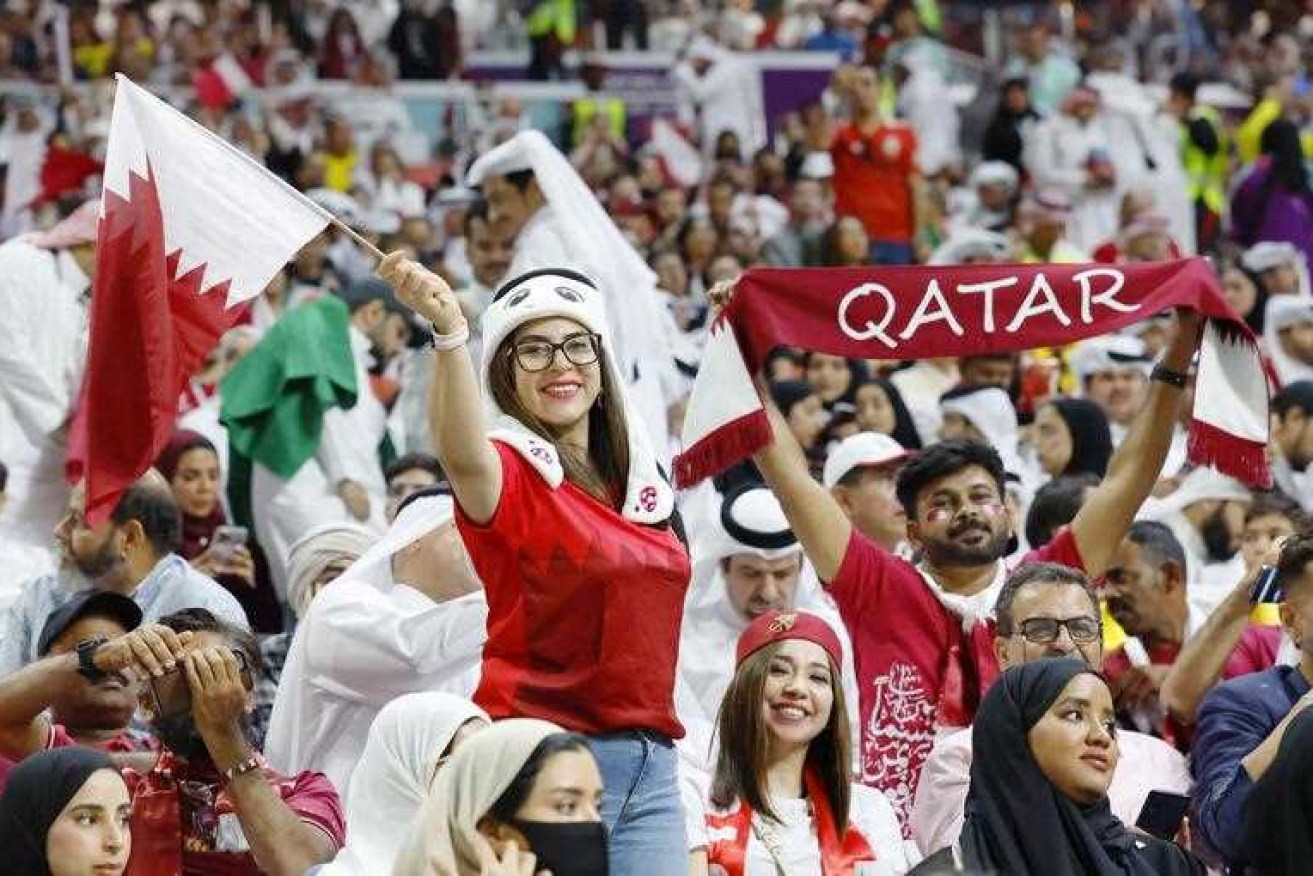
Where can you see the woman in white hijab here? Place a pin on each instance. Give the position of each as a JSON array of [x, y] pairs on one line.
[[522, 795], [408, 742]]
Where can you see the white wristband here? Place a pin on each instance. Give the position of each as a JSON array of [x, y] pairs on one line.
[[456, 339]]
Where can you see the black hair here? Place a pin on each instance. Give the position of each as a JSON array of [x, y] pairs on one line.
[[1281, 142], [202, 620], [154, 507], [1296, 554], [1052, 574], [905, 432], [1275, 502], [4, 477], [521, 786], [1055, 505], [1297, 395], [520, 179], [422, 461], [476, 211], [943, 460], [1185, 84], [441, 488], [1158, 543]]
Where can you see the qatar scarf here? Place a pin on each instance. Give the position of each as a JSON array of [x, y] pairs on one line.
[[920, 312]]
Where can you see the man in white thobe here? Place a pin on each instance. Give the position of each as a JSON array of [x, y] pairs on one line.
[[408, 616], [45, 281], [745, 563], [725, 89]]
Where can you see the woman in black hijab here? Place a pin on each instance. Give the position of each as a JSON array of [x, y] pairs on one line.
[[1045, 748], [1279, 810], [65, 811], [1072, 436]]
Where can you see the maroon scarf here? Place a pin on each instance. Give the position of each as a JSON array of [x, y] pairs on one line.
[[196, 531], [924, 312]]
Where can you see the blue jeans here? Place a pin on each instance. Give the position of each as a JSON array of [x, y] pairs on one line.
[[892, 252], [640, 803]]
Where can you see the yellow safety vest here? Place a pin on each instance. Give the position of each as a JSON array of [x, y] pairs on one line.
[[1207, 173], [586, 109]]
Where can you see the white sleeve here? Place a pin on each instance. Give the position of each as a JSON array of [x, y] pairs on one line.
[[372, 651], [872, 815], [1040, 157]]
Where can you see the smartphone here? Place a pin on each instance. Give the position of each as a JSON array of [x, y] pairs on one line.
[[171, 695], [228, 538], [1162, 814], [1266, 590]]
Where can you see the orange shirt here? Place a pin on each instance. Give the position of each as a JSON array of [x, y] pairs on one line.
[[871, 179]]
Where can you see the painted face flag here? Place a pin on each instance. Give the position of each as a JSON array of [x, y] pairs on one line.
[[924, 312], [190, 229]]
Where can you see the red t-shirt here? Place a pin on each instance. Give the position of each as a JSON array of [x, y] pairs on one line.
[[207, 829], [584, 608], [870, 179], [918, 672], [57, 736]]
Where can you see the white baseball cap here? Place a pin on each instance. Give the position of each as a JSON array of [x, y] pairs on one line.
[[872, 449]]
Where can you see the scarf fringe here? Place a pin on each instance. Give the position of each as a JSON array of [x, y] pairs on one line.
[[721, 448], [1246, 461]]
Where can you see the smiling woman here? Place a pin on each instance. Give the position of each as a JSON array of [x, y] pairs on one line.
[[781, 800]]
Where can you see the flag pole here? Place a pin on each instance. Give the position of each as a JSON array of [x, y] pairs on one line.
[[364, 244]]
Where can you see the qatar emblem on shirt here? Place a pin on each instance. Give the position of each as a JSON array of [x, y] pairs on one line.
[[891, 146], [857, 147]]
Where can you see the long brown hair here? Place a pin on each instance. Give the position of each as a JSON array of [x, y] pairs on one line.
[[744, 743], [602, 472]]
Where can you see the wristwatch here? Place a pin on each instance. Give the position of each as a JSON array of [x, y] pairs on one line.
[[1163, 374], [86, 653]]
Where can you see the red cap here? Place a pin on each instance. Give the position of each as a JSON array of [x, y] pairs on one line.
[[779, 626]]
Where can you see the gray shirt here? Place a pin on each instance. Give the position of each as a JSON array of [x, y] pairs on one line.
[[171, 586]]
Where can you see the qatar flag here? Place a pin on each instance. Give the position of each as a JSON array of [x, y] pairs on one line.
[[191, 229]]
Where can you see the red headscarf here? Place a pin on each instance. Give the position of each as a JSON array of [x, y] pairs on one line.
[[196, 531]]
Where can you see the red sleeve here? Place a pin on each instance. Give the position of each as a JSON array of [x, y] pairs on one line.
[[1115, 664], [59, 738], [1061, 550], [509, 517], [313, 798], [865, 576], [1256, 651]]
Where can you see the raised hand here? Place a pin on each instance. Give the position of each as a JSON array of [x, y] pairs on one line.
[[423, 292]]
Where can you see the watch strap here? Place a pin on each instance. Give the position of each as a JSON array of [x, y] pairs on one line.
[[1163, 374], [86, 655]]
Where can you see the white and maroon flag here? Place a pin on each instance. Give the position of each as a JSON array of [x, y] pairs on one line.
[[190, 230]]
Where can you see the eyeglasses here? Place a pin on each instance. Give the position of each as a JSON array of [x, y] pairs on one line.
[[538, 355], [941, 509], [1083, 629]]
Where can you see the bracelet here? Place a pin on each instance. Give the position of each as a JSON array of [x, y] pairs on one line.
[[1163, 374], [251, 764], [456, 339]]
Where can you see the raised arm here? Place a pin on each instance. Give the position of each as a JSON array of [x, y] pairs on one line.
[[455, 407], [816, 518], [1133, 470]]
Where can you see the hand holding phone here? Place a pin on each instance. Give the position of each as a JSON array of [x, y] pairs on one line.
[[1162, 814], [227, 539]]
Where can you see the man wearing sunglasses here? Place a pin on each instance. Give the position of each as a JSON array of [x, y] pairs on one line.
[[1044, 610]]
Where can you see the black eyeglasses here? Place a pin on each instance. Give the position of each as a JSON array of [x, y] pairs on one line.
[[538, 355], [1083, 629]]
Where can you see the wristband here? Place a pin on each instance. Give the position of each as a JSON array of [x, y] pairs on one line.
[[456, 339], [1163, 374], [250, 765]]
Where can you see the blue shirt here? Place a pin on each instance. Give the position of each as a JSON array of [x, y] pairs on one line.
[[171, 586], [1234, 719]]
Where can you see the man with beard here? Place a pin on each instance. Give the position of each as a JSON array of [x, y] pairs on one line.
[[84, 708], [1044, 611], [131, 553], [1292, 441], [210, 803], [1206, 514], [1145, 586], [1113, 372], [923, 634]]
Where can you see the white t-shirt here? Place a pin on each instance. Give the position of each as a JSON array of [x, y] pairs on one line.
[[869, 813]]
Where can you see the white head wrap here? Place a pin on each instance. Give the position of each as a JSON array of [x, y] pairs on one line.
[[315, 551], [538, 295], [1283, 311], [1200, 485], [990, 410], [1108, 353], [420, 517], [754, 513], [393, 777], [1269, 254], [994, 173], [617, 269], [444, 838], [971, 243]]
